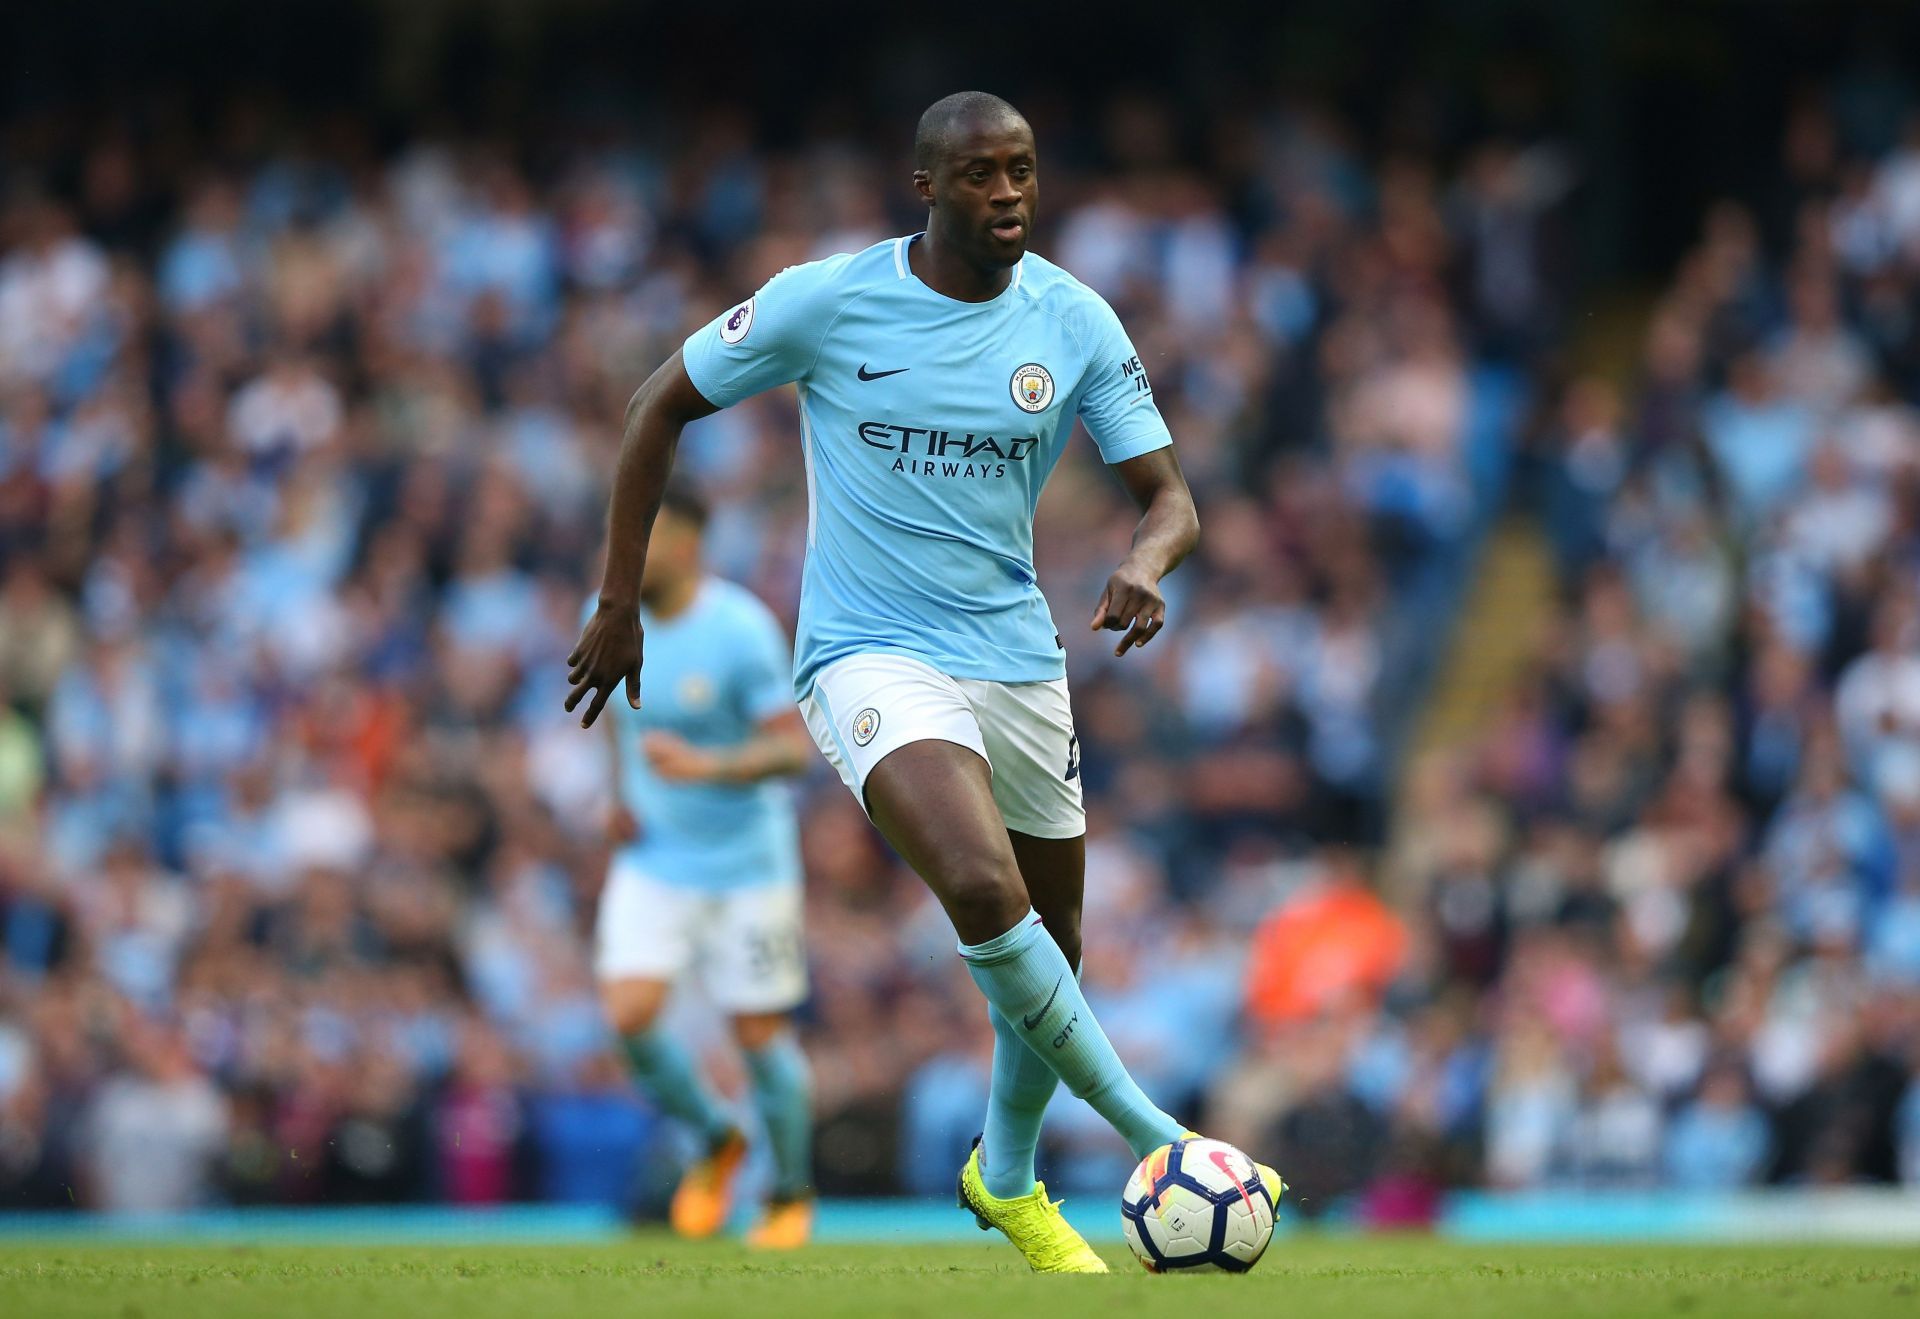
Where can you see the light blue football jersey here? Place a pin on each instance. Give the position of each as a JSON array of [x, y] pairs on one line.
[[930, 426], [713, 674]]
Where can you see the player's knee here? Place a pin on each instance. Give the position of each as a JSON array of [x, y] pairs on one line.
[[985, 896], [756, 1030], [632, 1006]]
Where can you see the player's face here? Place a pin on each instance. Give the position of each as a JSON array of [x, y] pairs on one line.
[[985, 192]]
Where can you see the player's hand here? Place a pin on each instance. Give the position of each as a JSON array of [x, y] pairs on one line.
[[1132, 604], [608, 654], [679, 761], [623, 826]]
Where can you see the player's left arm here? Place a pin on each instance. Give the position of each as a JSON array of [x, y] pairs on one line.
[[1116, 403], [759, 685], [778, 747], [1169, 529]]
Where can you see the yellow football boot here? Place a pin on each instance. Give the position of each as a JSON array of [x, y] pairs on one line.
[[705, 1194], [1031, 1222], [787, 1226]]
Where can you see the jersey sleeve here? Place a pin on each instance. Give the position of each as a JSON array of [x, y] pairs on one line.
[[1116, 400], [770, 339], [763, 665]]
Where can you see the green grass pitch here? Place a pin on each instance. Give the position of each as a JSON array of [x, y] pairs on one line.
[[658, 1276]]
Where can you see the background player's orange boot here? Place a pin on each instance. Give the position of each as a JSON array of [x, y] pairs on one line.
[[705, 1193], [787, 1226]]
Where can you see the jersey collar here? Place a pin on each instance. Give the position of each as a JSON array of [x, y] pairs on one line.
[[902, 270]]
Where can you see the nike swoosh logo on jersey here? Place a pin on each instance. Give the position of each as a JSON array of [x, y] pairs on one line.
[[880, 375], [1034, 1019]]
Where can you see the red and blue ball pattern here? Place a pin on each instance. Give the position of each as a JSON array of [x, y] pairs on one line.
[[1198, 1205]]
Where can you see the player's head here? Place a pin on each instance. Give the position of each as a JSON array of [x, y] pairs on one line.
[[974, 165], [673, 555]]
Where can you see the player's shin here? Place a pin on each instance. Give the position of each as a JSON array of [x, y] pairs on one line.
[[783, 1094], [1024, 974], [665, 1070], [1023, 1086]]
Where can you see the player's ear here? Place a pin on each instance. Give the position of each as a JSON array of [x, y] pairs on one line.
[[923, 184]]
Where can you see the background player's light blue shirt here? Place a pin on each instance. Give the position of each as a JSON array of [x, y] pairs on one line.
[[714, 673], [930, 426]]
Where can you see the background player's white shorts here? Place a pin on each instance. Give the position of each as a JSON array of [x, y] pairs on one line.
[[746, 944], [864, 706]]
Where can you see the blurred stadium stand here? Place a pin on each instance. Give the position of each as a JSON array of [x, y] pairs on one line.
[[316, 327]]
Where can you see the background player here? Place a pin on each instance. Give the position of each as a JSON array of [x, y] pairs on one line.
[[707, 872], [940, 376]]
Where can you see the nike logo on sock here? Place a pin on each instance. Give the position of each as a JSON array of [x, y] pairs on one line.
[[865, 374], [1034, 1019]]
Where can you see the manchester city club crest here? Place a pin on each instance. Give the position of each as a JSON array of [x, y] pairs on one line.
[[1032, 387], [865, 725]]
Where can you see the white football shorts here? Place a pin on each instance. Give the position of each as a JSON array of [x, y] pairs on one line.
[[864, 706], [746, 944]]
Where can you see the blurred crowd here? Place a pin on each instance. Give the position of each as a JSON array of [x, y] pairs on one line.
[[1664, 912], [304, 442]]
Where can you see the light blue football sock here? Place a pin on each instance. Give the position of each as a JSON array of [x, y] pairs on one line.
[[1023, 1086], [783, 1093], [1024, 974], [665, 1071]]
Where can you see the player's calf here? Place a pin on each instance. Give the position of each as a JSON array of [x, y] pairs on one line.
[[782, 1086], [667, 1074], [1023, 974]]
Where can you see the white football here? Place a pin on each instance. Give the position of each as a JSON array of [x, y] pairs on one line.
[[1200, 1205]]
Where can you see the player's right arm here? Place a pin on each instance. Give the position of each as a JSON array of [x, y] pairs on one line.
[[610, 645], [770, 339]]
